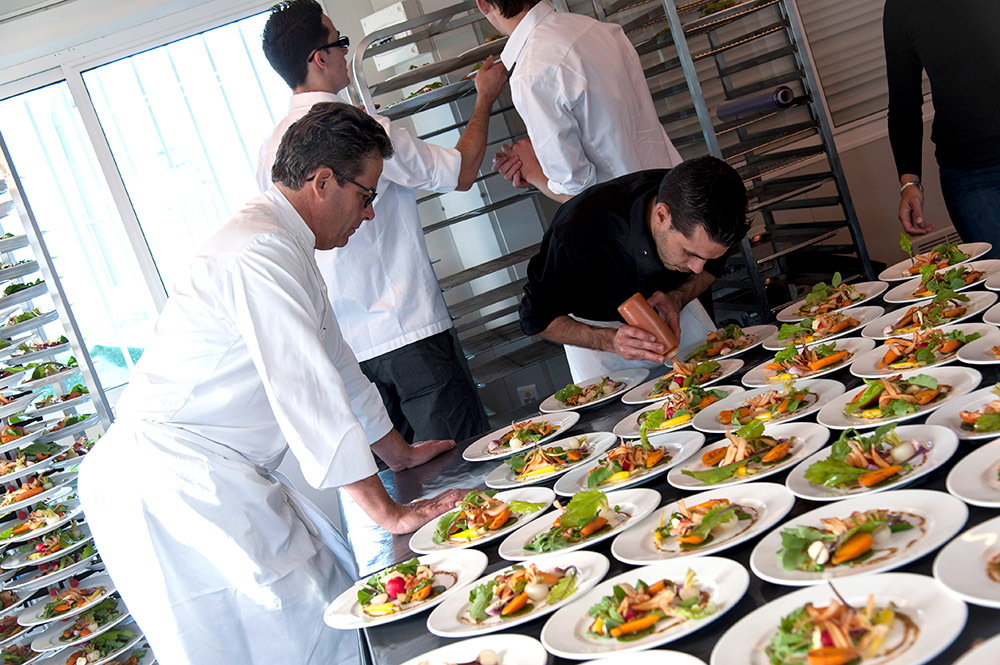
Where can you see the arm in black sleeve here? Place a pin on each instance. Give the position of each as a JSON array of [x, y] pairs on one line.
[[903, 72], [545, 294]]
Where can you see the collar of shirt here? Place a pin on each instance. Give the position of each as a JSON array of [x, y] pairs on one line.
[[519, 37], [308, 99], [289, 218], [647, 260]]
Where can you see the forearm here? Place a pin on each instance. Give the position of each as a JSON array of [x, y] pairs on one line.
[[370, 494], [564, 330], [693, 287], [542, 185], [472, 144], [393, 450]]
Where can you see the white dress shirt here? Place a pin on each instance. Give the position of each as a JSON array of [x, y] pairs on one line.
[[578, 85], [218, 561], [382, 286]]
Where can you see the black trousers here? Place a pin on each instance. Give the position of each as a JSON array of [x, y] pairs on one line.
[[428, 390]]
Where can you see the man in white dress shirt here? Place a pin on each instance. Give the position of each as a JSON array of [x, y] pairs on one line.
[[384, 291], [217, 560]]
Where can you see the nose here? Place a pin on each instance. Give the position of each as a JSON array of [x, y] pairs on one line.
[[696, 264], [368, 212]]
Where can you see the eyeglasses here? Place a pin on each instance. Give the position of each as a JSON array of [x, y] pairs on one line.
[[371, 192], [343, 42]]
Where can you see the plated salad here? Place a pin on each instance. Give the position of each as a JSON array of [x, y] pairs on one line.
[[817, 327], [43, 370], [9, 627], [99, 616], [42, 516], [770, 405], [627, 461], [103, 646], [19, 286], [924, 348], [825, 297], [633, 612], [574, 395], [53, 542], [34, 347], [841, 542], [520, 591], [685, 375], [942, 256], [984, 419], [550, 459], [679, 408], [478, 514], [22, 317], [16, 655], [79, 390], [895, 397], [857, 461], [721, 342], [586, 515], [792, 363], [835, 634], [695, 527], [401, 587], [70, 599], [749, 451], [522, 435], [933, 282], [29, 487], [945, 307]]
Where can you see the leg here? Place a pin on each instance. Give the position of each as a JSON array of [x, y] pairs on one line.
[[379, 371], [972, 197]]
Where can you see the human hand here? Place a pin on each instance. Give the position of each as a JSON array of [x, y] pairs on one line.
[[636, 344], [509, 166], [531, 170], [424, 451], [668, 306], [491, 77], [911, 212], [415, 514]]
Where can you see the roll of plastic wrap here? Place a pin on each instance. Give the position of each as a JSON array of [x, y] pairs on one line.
[[758, 104]]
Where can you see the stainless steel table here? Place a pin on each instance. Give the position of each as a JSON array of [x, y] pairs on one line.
[[375, 549]]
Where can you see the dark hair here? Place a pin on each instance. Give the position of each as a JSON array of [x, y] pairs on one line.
[[511, 8], [331, 134], [706, 192], [293, 31]]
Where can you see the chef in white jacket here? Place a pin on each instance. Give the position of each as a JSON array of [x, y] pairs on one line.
[[217, 561], [383, 289]]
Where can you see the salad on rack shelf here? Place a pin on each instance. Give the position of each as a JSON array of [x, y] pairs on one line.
[[841, 542], [29, 487], [574, 395], [857, 461], [19, 286], [401, 587], [520, 591], [34, 347], [9, 627], [16, 655], [549, 459], [626, 461], [8, 599], [791, 363], [933, 282], [22, 317], [91, 621], [11, 370], [722, 342], [78, 390], [697, 526], [984, 419], [685, 375], [944, 308], [53, 542], [522, 435], [816, 327], [825, 297], [478, 514], [924, 348], [586, 515], [679, 408], [68, 421], [103, 646], [895, 397], [633, 612], [771, 405], [71, 598], [942, 256], [41, 516], [837, 633], [43, 370], [748, 452]]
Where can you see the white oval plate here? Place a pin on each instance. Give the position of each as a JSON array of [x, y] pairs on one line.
[[628, 427], [652, 657], [640, 394], [49, 640], [757, 377], [503, 478], [32, 615], [864, 315], [944, 516], [962, 566], [942, 444], [979, 351], [48, 380], [939, 617], [345, 613], [19, 559], [948, 415], [868, 291], [811, 437], [866, 366], [636, 502], [74, 510], [510, 648], [71, 430], [29, 583], [447, 620], [565, 633], [38, 467], [476, 452], [11, 379], [902, 292], [19, 404], [972, 250], [60, 481], [825, 390], [42, 319], [976, 479], [961, 379], [59, 658], [422, 540], [35, 431], [755, 335], [59, 406], [770, 501], [679, 445], [983, 653], [42, 354], [631, 377], [978, 301]]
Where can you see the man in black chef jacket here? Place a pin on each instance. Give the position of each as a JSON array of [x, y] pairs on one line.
[[662, 233]]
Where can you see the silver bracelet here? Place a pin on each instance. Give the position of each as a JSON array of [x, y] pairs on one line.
[[915, 183]]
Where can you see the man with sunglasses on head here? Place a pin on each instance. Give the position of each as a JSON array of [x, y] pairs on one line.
[[384, 292]]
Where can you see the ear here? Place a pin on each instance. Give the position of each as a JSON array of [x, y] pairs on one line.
[[661, 216], [484, 7], [324, 183]]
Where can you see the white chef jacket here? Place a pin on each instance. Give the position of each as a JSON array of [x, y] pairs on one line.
[[383, 288], [578, 85], [216, 560]]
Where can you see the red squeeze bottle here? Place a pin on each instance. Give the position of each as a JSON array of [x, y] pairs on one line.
[[639, 313]]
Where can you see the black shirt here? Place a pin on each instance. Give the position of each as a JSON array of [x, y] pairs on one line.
[[597, 254], [958, 43]]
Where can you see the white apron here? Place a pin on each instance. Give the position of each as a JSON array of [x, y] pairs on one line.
[[588, 363]]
